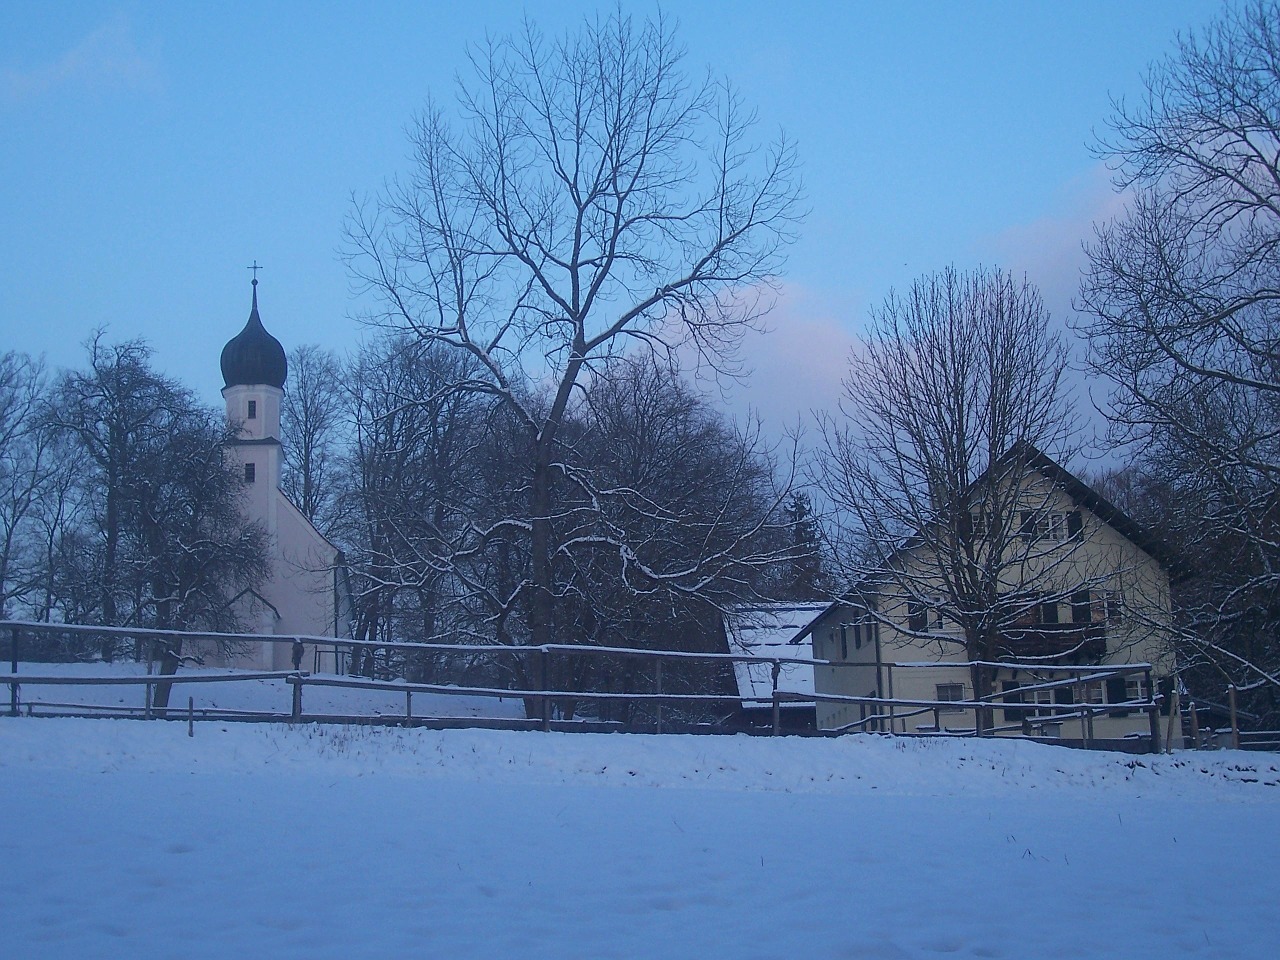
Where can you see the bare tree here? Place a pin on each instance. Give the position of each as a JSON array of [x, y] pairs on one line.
[[411, 476], [951, 403], [311, 421], [1184, 290], [25, 462], [165, 544], [594, 198], [687, 519]]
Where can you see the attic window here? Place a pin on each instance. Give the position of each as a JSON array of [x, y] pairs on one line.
[[253, 410], [250, 472], [1053, 525]]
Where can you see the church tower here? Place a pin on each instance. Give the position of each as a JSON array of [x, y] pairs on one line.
[[254, 370], [305, 594]]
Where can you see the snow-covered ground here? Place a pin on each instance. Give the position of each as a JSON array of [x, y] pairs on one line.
[[241, 696], [127, 839]]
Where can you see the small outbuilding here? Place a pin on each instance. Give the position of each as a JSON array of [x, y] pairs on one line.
[[771, 634]]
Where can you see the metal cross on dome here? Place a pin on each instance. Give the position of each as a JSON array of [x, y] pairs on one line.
[[255, 268]]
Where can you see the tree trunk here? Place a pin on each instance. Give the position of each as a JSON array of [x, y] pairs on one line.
[[981, 677]]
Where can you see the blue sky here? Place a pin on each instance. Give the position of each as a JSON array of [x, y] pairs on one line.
[[153, 150]]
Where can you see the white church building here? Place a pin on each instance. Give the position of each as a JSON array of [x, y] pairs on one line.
[[306, 593]]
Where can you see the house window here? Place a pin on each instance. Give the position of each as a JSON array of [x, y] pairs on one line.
[[1092, 692], [1135, 688], [1054, 525], [1044, 700], [981, 524], [844, 641], [250, 472], [949, 693], [1113, 607], [1043, 697], [1049, 611], [253, 410]]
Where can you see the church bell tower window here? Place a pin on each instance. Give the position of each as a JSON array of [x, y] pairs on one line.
[[253, 410], [250, 472]]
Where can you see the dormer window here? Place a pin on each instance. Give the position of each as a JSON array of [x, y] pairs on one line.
[[250, 472], [253, 410]]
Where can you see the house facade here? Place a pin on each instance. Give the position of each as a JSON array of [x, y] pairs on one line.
[[1084, 636], [305, 593]]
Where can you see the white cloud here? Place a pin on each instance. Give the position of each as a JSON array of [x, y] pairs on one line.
[[107, 58]]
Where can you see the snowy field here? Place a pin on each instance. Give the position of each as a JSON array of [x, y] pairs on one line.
[[127, 839]]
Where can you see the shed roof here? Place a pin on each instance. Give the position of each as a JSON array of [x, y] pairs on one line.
[[766, 631]]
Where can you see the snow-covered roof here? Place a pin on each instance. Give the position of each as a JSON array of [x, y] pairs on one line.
[[772, 630]]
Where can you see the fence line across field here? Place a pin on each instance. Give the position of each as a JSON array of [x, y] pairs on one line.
[[884, 709]]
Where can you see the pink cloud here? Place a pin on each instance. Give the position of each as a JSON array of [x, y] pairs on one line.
[[1050, 249], [796, 366]]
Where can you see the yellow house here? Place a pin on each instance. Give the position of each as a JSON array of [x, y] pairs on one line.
[[1075, 623]]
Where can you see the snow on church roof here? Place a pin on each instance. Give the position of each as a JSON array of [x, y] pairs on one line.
[[772, 630]]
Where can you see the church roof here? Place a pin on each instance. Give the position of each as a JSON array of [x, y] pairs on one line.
[[254, 356]]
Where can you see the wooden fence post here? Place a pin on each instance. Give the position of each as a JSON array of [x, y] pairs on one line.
[[13, 671], [777, 711], [1173, 716], [544, 657], [1235, 718], [1153, 713], [191, 716], [408, 708], [659, 686], [1195, 726], [296, 713]]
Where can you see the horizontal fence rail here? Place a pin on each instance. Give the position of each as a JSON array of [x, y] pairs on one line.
[[880, 714]]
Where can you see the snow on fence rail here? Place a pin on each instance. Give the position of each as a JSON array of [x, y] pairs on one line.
[[540, 698]]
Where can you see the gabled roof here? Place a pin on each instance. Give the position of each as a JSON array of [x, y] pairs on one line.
[[1081, 494], [1102, 508]]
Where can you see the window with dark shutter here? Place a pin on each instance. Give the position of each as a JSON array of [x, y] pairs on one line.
[[1075, 523], [1011, 696], [917, 616], [1116, 694], [1080, 609], [844, 641], [1028, 528]]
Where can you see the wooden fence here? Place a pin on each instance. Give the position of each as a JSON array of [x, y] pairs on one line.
[[878, 714]]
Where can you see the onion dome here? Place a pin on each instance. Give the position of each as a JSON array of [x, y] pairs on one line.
[[254, 356]]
